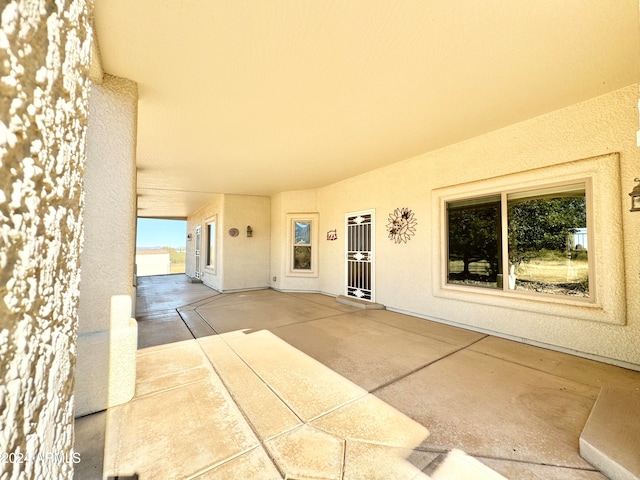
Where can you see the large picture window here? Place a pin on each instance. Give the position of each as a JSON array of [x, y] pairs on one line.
[[528, 240]]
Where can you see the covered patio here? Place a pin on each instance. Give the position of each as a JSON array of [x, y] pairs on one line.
[[273, 128], [270, 385]]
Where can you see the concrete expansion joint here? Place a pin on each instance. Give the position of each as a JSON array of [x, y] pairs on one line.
[[422, 367], [268, 444], [225, 461], [159, 312], [201, 302], [174, 387], [247, 420], [335, 409], [204, 319]]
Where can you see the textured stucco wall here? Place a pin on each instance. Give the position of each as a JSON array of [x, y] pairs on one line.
[[44, 61], [242, 263], [405, 272], [246, 259], [106, 338], [200, 217], [110, 200], [302, 201]]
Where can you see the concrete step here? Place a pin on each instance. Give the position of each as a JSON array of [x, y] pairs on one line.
[[355, 302], [610, 440], [196, 324], [457, 465]]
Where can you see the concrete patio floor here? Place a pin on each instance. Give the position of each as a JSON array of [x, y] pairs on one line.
[[269, 385]]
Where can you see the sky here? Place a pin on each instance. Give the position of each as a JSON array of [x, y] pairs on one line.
[[161, 233]]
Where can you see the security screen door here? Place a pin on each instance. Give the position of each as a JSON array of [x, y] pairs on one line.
[[360, 227], [198, 239]]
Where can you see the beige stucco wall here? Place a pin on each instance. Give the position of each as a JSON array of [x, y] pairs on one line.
[[153, 264], [242, 262], [282, 205], [44, 61], [110, 219], [200, 218], [245, 260], [108, 254], [406, 272]]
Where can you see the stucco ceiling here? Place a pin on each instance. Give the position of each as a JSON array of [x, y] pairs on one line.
[[262, 96]]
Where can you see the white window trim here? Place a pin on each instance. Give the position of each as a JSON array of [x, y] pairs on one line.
[[313, 218], [605, 257], [211, 267]]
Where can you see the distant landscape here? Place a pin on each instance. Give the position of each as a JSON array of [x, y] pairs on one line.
[[177, 257]]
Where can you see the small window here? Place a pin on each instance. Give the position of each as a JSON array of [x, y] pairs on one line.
[[529, 241], [211, 243], [303, 244]]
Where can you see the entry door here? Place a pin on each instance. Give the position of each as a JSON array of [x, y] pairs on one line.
[[360, 227], [198, 240]]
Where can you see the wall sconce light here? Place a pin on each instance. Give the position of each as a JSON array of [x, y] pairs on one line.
[[635, 197], [250, 230]]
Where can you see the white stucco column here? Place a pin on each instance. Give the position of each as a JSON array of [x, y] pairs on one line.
[[107, 334]]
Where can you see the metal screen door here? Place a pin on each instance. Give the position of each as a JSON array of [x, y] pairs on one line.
[[198, 240], [360, 249]]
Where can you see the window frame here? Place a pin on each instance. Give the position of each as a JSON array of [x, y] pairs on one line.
[[211, 264], [504, 194], [606, 247], [313, 220]]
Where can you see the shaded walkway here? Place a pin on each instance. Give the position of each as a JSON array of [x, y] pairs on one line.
[[281, 385]]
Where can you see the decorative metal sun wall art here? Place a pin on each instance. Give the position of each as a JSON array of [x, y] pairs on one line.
[[402, 225]]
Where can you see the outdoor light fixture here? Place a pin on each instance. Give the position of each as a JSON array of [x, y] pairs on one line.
[[635, 197], [250, 230], [189, 237]]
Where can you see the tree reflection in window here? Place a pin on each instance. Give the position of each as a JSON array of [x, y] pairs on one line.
[[302, 245], [474, 241], [547, 247], [548, 240]]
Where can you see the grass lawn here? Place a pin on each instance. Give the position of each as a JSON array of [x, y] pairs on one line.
[[178, 267]]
